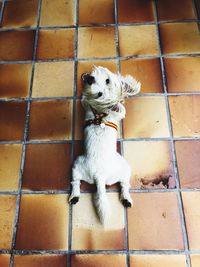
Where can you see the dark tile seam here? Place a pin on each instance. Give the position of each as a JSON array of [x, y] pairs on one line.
[[197, 12], [24, 146], [126, 241], [1, 11], [100, 25], [70, 225], [180, 204]]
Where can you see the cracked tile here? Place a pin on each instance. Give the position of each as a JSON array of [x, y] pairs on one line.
[[145, 117], [138, 40], [34, 231], [185, 114], [153, 222], [158, 171], [7, 215], [182, 74]]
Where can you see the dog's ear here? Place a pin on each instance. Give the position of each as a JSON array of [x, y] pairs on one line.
[[130, 86]]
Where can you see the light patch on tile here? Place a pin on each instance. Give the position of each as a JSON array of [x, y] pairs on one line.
[[53, 79], [158, 170], [195, 260], [87, 231], [145, 117], [4, 258], [40, 260]]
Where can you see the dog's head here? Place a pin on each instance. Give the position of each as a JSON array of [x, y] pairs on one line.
[[104, 89]]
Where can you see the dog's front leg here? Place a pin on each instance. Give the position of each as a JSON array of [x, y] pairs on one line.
[[75, 194]]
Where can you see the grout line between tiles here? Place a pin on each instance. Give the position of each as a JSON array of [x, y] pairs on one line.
[[180, 204], [100, 25], [24, 144], [197, 12], [1, 10], [126, 242], [73, 129]]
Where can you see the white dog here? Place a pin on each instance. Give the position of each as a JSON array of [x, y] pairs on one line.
[[102, 100]]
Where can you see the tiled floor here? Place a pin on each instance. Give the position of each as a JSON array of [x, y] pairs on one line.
[[45, 46]]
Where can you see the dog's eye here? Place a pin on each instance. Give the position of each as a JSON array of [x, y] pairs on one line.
[[107, 81]]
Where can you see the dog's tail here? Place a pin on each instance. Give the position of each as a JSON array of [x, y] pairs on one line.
[[102, 207]]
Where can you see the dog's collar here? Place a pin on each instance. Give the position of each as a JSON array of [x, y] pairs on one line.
[[98, 120]]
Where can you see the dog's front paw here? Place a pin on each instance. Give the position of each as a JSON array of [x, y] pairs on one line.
[[126, 203], [73, 200]]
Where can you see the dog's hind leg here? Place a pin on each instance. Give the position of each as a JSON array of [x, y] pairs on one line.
[[125, 195], [76, 181]]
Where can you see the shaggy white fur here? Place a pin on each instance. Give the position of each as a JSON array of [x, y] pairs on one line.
[[101, 164]]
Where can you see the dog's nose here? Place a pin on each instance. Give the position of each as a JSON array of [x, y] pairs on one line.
[[87, 78], [100, 94]]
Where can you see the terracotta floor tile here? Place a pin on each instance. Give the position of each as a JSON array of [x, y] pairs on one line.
[[182, 74], [90, 12], [154, 221], [53, 79], [10, 161], [21, 13], [185, 114], [191, 204], [138, 40], [58, 13], [188, 161], [147, 71], [89, 234], [174, 10], [40, 261], [12, 120], [90, 42], [145, 117], [15, 80], [86, 66], [157, 261], [47, 167], [195, 260], [5, 260], [158, 171], [16, 45], [56, 44], [180, 38], [43, 223], [79, 121], [50, 120], [135, 11], [7, 215], [100, 260]]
